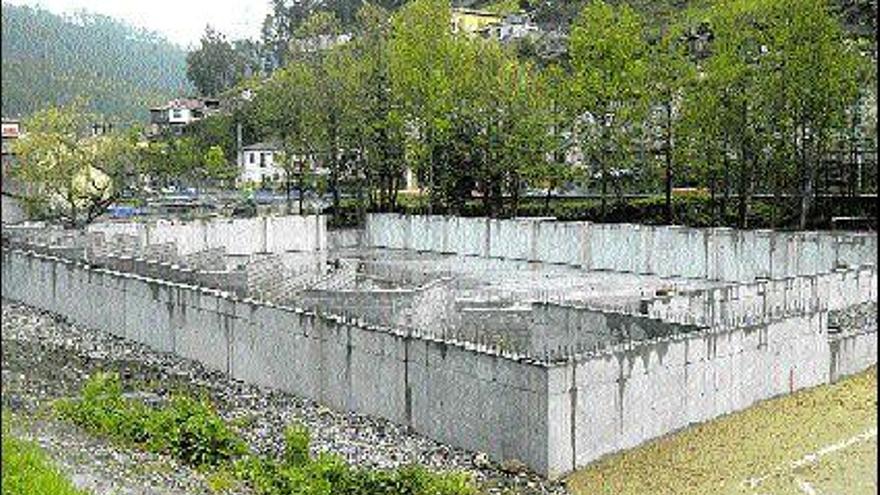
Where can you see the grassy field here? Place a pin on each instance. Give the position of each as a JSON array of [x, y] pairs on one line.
[[818, 441]]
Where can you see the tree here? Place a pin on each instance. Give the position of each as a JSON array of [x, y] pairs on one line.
[[284, 110], [422, 65], [608, 62], [217, 167], [69, 175], [671, 72], [554, 96], [816, 77], [380, 115], [213, 67]]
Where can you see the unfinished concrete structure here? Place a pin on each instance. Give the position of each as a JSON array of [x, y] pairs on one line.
[[553, 343]]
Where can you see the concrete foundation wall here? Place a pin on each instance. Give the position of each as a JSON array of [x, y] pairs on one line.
[[852, 353], [615, 401], [462, 396], [554, 417], [752, 303], [239, 236], [344, 238], [670, 251]]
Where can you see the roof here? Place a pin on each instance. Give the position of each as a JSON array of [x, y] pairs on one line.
[[270, 146], [188, 103], [475, 12]]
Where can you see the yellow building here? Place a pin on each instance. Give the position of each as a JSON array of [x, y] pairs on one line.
[[470, 21]]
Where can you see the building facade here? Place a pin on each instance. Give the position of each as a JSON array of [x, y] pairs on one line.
[[175, 115], [257, 163]]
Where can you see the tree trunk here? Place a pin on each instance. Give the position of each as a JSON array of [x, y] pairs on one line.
[[287, 191], [725, 185], [712, 206], [300, 186], [603, 186], [334, 187], [668, 153], [515, 195], [806, 184], [550, 187]]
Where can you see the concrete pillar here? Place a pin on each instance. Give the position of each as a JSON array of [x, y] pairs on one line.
[[533, 241], [487, 241], [407, 232], [586, 254]]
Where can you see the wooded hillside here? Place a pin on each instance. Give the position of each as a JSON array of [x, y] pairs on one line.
[[49, 59]]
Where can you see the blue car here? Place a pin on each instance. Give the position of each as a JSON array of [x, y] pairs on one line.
[[124, 211]]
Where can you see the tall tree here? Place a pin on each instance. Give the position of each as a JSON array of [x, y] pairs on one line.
[[422, 66], [212, 67], [816, 74], [285, 110], [608, 57], [671, 72]]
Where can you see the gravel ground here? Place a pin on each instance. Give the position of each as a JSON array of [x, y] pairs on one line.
[[45, 357]]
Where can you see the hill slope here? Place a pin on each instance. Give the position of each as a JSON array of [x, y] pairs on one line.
[[48, 59]]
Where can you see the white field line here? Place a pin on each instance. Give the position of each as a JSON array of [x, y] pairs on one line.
[[812, 458], [806, 487]]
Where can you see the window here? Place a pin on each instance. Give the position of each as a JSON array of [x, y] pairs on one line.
[[262, 160], [251, 158], [176, 113]]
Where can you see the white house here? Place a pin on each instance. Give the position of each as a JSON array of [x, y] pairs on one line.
[[178, 113], [257, 162], [513, 27]]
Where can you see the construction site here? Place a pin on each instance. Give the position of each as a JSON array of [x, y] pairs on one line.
[[552, 343]]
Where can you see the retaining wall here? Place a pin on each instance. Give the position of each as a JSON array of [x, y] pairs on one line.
[[458, 395], [602, 404], [554, 416], [669, 251], [767, 300], [239, 236]]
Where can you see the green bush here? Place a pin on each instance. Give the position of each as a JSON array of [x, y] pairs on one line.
[[102, 409], [296, 445], [192, 431], [186, 429]]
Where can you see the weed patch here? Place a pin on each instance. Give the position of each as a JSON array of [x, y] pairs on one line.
[[192, 431]]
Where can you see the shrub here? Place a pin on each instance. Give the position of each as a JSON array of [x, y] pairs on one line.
[[192, 431], [186, 429], [296, 445]]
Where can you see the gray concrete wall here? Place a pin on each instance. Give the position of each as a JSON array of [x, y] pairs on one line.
[[239, 236], [458, 395], [768, 300], [344, 238], [553, 417], [851, 353], [11, 211], [618, 399], [670, 251]]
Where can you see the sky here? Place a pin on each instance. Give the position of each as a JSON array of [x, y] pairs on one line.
[[180, 21]]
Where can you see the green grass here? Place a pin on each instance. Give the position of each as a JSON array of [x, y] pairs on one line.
[[28, 470]]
